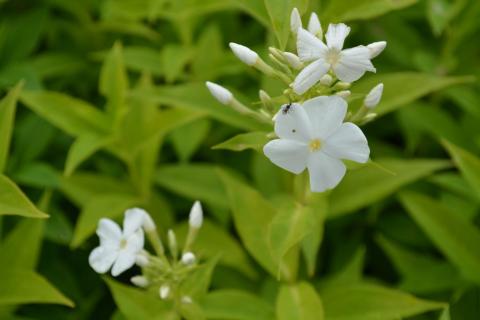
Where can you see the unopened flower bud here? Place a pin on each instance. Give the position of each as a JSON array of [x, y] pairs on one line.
[[142, 260], [186, 300], [326, 80], [314, 26], [164, 291], [224, 96], [342, 85], [172, 243], [140, 281], [373, 97], [246, 55], [148, 223], [376, 48], [264, 97], [344, 94], [293, 60], [196, 215], [295, 21], [188, 258]]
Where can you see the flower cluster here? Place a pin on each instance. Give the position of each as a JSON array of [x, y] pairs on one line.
[[314, 128], [119, 250]]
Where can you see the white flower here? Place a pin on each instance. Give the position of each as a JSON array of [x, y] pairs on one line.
[[196, 215], [373, 97], [293, 60], [164, 291], [376, 48], [312, 135], [140, 281], [246, 55], [188, 258], [348, 65], [314, 26], [143, 216], [118, 249], [295, 21], [224, 96]]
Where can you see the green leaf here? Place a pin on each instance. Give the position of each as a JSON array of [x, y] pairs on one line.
[[372, 302], [7, 115], [24, 286], [405, 87], [213, 240], [113, 83], [371, 183], [188, 138], [197, 283], [75, 117], [346, 10], [244, 141], [101, 206], [195, 96], [351, 273], [468, 164], [453, 235], [174, 59], [84, 147], [236, 305], [420, 273], [299, 301], [136, 304], [195, 181], [143, 59], [14, 202]]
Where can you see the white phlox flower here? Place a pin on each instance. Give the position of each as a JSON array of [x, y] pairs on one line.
[[312, 135], [347, 64], [118, 249]]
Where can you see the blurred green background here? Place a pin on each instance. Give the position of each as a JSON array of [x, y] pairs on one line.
[[114, 113]]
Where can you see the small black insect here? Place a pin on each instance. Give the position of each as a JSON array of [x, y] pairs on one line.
[[287, 108]]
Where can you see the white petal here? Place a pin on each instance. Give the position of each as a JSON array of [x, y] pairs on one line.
[[102, 258], [310, 75], [353, 63], [295, 21], [133, 221], [109, 232], [135, 242], [348, 143], [326, 114], [314, 26], [325, 172], [336, 35], [125, 261], [287, 154], [376, 48], [309, 47], [292, 122]]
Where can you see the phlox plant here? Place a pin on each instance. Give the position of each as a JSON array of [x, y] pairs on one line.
[[240, 160]]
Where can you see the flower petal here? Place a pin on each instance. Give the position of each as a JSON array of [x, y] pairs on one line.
[[353, 63], [349, 143], [109, 232], [336, 35], [326, 114], [309, 47], [325, 172], [135, 242], [292, 122], [310, 75], [133, 221], [125, 260], [101, 258], [287, 154]]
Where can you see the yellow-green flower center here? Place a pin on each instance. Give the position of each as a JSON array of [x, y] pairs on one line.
[[315, 145], [332, 56], [123, 243]]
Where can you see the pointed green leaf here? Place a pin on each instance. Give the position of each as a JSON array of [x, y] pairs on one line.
[[7, 115], [188, 138], [346, 10], [299, 301], [14, 202], [371, 183], [244, 141], [197, 283], [457, 238], [84, 147], [351, 273]]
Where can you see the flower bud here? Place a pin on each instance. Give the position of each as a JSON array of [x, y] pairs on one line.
[[314, 26], [326, 80], [140, 281], [293, 60], [246, 55], [224, 96], [142, 260], [186, 300], [264, 97], [196, 215], [342, 85], [295, 21], [164, 291], [148, 223], [188, 258], [376, 48], [344, 94], [172, 243], [373, 97]]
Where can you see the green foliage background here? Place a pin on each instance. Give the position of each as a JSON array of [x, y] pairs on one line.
[[105, 108]]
